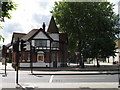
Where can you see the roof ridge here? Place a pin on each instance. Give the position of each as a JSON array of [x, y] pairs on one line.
[[30, 34], [18, 33]]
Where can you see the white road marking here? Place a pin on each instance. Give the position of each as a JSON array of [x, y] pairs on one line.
[[51, 78]]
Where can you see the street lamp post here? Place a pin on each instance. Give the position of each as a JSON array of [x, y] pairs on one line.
[[118, 55], [118, 63], [17, 60]]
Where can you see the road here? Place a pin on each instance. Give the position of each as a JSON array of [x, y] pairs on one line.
[[58, 81], [25, 77], [75, 78]]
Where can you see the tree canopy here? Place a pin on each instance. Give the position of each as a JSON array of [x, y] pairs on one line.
[[4, 13], [89, 25]]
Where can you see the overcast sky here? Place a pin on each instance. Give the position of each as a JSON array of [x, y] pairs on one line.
[[30, 14]]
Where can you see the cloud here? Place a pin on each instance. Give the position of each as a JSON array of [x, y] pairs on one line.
[[44, 4], [40, 19], [13, 27], [30, 14]]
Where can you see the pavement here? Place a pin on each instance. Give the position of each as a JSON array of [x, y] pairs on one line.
[[88, 70], [105, 68], [63, 86], [61, 89]]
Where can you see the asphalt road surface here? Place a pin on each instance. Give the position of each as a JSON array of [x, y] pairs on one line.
[[26, 77], [73, 78]]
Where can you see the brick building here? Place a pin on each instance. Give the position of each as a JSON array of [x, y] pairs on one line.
[[43, 48]]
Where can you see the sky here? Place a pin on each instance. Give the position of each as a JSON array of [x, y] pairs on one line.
[[30, 14]]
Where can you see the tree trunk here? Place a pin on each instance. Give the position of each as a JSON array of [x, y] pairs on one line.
[[94, 62], [108, 60], [77, 60], [98, 65], [113, 58], [82, 66], [80, 57], [80, 60]]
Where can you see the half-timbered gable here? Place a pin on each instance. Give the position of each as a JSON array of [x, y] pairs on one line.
[[41, 40]]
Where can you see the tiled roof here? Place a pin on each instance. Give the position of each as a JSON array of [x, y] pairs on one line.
[[52, 28], [30, 34], [16, 36]]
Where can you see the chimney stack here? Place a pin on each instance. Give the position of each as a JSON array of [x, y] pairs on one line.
[[43, 26]]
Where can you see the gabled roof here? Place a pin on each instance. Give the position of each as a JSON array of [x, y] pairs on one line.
[[52, 28], [30, 34], [16, 36], [33, 33]]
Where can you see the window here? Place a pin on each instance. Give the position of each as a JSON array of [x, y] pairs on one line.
[[41, 43], [55, 44]]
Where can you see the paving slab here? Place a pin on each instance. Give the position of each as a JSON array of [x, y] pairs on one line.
[[70, 85], [61, 89], [72, 72]]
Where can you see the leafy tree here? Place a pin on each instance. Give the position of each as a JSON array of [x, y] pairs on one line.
[[4, 12], [89, 26]]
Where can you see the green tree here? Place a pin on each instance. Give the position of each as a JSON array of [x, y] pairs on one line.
[[89, 26], [4, 12]]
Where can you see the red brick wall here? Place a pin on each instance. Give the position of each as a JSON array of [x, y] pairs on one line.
[[24, 56]]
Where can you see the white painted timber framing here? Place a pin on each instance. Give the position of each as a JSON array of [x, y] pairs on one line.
[[27, 46], [33, 42], [40, 35], [13, 40], [24, 64], [39, 64], [48, 43], [54, 36]]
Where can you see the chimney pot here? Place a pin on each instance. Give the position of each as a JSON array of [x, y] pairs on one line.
[[43, 26]]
